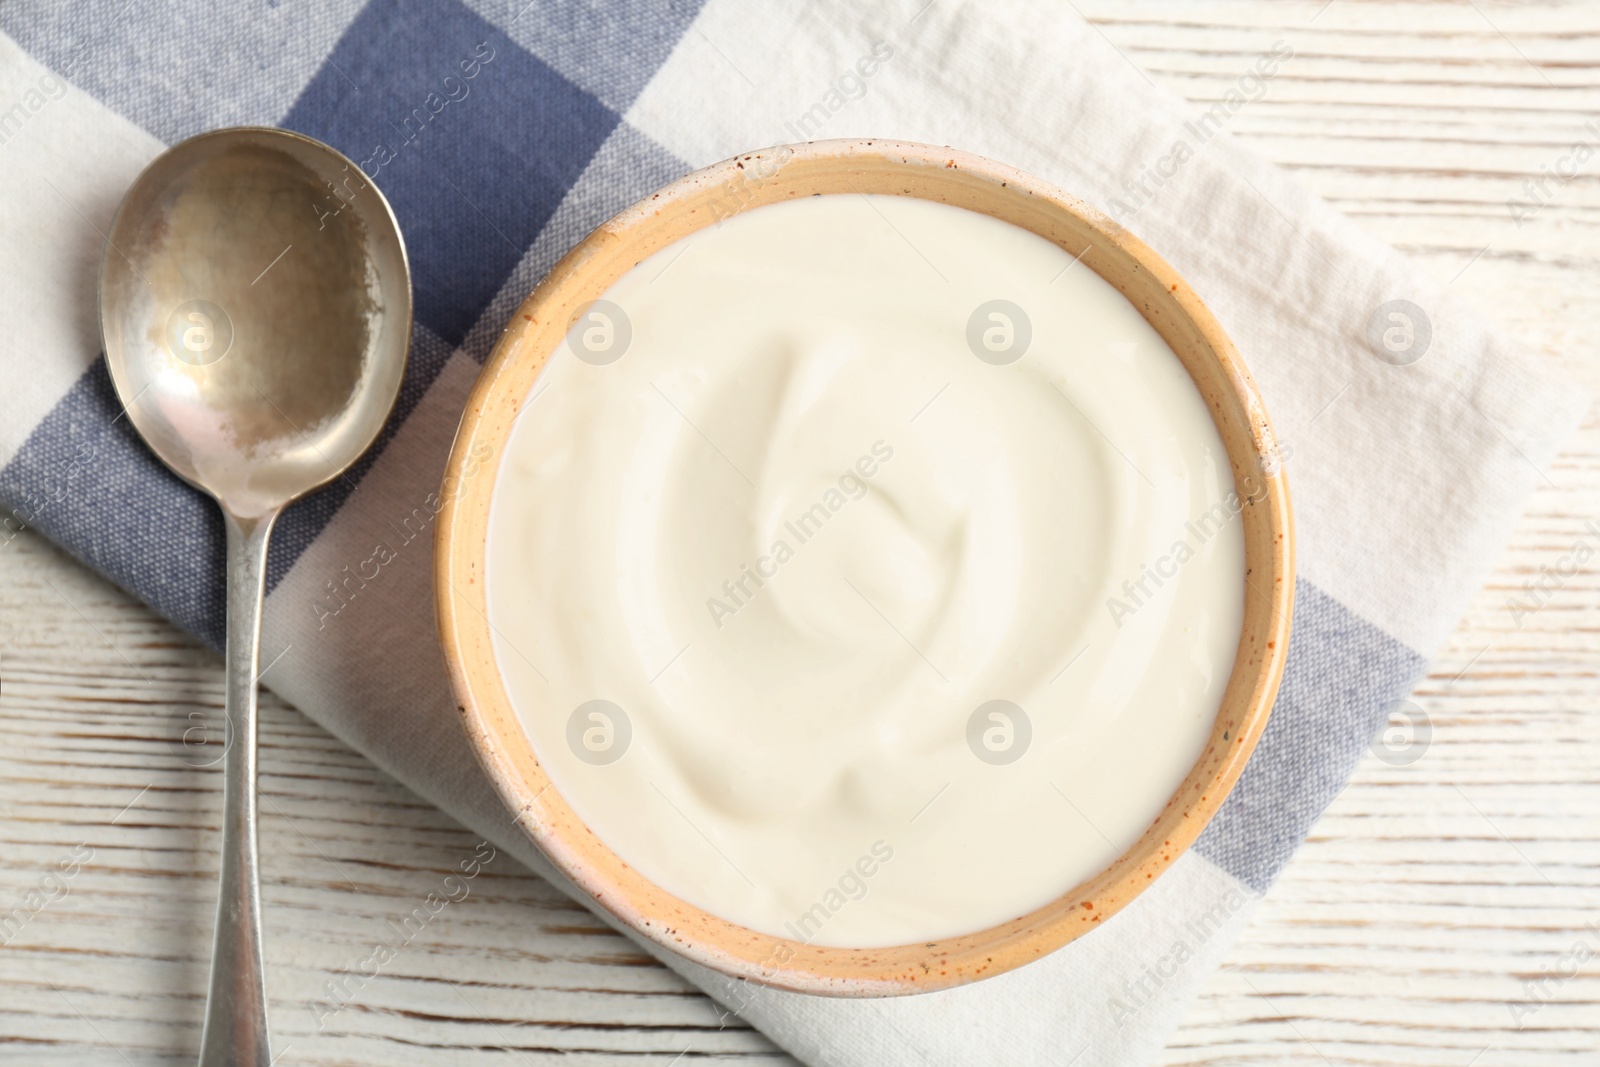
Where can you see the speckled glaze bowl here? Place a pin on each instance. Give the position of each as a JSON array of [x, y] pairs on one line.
[[832, 168]]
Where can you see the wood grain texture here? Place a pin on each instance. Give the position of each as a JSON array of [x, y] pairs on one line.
[[1428, 920]]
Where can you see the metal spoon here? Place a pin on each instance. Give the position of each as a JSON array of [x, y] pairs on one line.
[[255, 303]]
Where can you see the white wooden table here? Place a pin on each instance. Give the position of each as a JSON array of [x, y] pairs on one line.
[[1406, 931]]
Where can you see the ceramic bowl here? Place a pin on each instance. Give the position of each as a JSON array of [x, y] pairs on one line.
[[848, 168]]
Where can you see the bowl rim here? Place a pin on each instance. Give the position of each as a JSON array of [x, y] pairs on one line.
[[841, 167]]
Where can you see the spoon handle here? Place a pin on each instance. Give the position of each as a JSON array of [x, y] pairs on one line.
[[236, 1007]]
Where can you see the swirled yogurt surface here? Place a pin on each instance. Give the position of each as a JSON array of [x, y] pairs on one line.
[[865, 571]]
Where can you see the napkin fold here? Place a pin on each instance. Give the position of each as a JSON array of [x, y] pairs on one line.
[[1413, 430]]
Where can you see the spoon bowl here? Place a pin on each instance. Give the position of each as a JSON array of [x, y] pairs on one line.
[[254, 292], [255, 304]]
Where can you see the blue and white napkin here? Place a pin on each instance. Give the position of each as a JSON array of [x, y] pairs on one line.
[[1414, 430]]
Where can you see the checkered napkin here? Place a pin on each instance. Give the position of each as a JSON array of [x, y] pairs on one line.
[[503, 131]]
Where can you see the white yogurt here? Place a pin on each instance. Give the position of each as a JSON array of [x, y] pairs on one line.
[[798, 536]]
